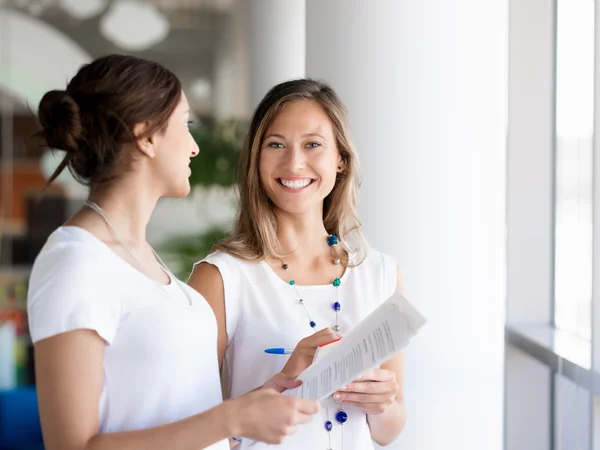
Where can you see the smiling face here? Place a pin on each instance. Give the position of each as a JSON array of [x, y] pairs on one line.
[[299, 159]]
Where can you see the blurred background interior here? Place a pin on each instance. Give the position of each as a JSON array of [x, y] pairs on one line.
[[475, 124]]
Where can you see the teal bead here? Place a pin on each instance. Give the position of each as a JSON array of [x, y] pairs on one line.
[[337, 282], [292, 282]]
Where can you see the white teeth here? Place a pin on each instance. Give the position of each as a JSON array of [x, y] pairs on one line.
[[296, 184]]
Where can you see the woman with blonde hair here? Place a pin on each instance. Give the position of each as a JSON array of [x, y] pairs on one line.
[[296, 262]]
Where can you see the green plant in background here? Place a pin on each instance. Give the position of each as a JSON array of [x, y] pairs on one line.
[[219, 150], [184, 251], [215, 164]]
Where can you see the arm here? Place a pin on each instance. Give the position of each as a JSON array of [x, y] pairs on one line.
[[386, 427], [69, 372], [380, 394], [69, 369], [207, 280]]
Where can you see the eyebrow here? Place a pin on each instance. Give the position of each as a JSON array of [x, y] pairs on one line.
[[304, 136]]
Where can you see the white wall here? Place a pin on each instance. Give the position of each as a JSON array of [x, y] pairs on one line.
[[425, 84]]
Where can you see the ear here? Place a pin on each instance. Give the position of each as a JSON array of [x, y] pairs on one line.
[[341, 165], [144, 143]]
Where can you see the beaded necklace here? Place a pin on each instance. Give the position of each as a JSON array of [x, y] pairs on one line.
[[341, 416]]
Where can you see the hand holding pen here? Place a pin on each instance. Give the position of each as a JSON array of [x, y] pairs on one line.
[[302, 356]]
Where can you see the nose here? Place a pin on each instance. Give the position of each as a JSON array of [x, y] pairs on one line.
[[195, 148], [294, 158]]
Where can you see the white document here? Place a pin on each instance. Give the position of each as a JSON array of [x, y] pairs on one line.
[[381, 335]]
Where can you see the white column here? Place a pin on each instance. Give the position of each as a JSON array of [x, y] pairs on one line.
[[230, 93], [425, 85], [277, 44]]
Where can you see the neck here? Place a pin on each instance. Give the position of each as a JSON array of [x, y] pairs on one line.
[[304, 235], [129, 207]]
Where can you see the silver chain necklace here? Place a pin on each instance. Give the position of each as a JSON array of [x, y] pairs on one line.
[[94, 207]]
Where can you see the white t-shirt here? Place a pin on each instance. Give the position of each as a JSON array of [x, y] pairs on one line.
[[262, 311], [160, 363]]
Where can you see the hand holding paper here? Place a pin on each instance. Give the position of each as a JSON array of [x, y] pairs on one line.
[[373, 392], [381, 335]]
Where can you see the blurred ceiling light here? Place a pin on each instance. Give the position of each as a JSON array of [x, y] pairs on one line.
[[200, 88], [83, 9], [133, 25]]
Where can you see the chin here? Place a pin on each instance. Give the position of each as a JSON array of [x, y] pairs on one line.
[[294, 208], [179, 191]]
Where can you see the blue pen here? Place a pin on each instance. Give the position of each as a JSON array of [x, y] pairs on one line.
[[278, 351]]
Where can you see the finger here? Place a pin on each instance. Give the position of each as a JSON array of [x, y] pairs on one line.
[[362, 398], [368, 407], [280, 382], [371, 387], [307, 406], [286, 381], [325, 335], [290, 430], [377, 375], [289, 384], [303, 418], [325, 332], [317, 341]]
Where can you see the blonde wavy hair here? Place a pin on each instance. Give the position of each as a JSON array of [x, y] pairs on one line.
[[254, 235]]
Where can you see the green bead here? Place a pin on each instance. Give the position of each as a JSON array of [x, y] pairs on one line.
[[337, 282], [292, 282]]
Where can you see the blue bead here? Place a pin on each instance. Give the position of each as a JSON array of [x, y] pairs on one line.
[[337, 282], [332, 240], [292, 282], [328, 425], [312, 324], [341, 416], [337, 306]]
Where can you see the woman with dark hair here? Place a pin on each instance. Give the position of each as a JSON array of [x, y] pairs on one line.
[[126, 354]]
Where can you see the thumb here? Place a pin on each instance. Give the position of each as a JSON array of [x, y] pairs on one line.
[[281, 382]]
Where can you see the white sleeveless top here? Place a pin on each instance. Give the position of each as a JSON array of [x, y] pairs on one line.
[[262, 311], [160, 361]]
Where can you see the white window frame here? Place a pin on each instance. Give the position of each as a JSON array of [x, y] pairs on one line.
[[535, 349]]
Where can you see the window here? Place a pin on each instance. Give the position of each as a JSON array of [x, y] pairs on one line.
[[574, 173]]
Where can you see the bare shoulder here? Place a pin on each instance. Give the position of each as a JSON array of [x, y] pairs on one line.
[[399, 280], [207, 280]]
